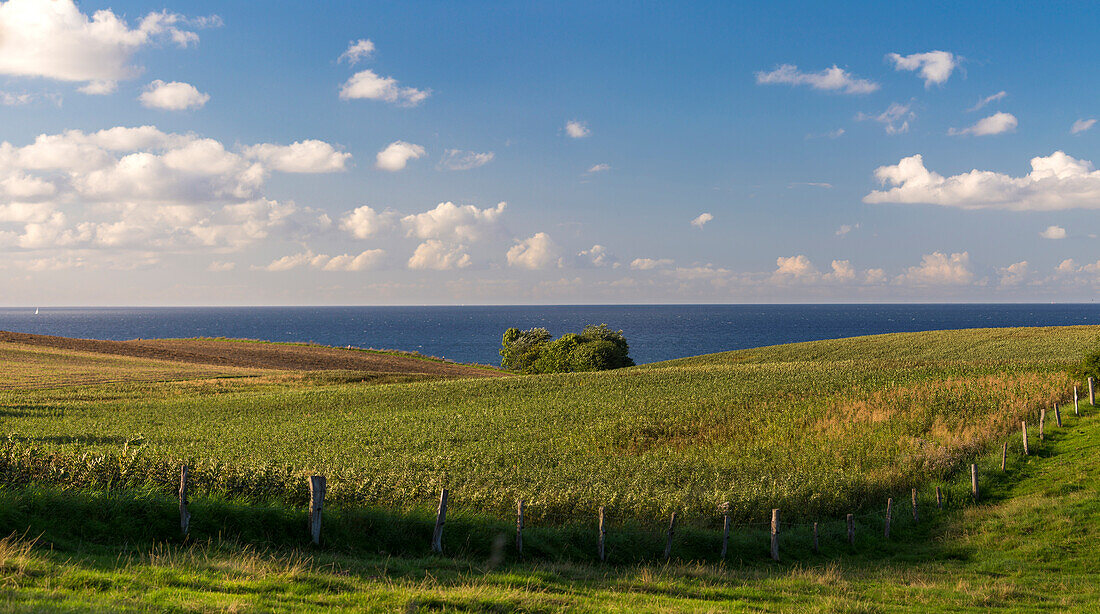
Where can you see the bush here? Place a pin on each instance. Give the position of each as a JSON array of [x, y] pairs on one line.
[[1088, 367], [596, 348]]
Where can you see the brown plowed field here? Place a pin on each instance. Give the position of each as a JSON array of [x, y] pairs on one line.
[[256, 355]]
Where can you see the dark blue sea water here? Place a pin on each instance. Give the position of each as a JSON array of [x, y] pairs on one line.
[[472, 334]]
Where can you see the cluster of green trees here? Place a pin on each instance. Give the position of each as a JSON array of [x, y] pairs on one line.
[[596, 348]]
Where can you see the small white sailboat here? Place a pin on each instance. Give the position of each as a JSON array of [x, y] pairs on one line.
[[36, 311]]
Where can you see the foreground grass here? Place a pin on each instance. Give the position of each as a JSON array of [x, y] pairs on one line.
[[1028, 546], [818, 429]]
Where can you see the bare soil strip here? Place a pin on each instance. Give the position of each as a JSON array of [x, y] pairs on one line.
[[256, 355]]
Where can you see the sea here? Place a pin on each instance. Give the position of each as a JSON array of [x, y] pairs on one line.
[[473, 333]]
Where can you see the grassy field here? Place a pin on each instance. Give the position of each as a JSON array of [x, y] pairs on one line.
[[818, 429]]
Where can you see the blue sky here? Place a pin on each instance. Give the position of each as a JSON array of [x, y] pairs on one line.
[[257, 159]]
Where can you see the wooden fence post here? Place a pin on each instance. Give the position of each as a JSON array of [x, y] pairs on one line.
[[817, 548], [725, 534], [185, 514], [440, 520], [1076, 409], [671, 532], [1023, 429], [889, 512], [851, 529], [519, 528], [915, 519], [603, 533], [1092, 397], [775, 535], [1004, 455], [939, 499], [974, 481], [1042, 422], [1058, 415], [316, 504]]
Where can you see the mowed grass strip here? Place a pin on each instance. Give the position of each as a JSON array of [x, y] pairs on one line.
[[816, 428]]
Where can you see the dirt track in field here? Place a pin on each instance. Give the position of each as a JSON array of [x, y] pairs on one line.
[[255, 355]]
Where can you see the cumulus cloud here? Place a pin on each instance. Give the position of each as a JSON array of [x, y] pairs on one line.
[[831, 79], [1013, 274], [939, 269], [701, 220], [794, 268], [364, 222], [174, 96], [1053, 232], [434, 254], [396, 156], [596, 256], [310, 156], [1057, 181], [459, 160], [998, 123], [842, 271], [536, 252], [52, 39], [935, 67], [451, 222], [895, 119], [362, 48], [368, 259], [1081, 125], [577, 129], [648, 264], [367, 84], [138, 189], [988, 99]]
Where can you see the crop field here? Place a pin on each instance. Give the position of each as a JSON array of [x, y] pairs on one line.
[[815, 428]]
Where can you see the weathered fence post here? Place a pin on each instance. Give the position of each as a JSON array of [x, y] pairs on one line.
[[1004, 455], [775, 535], [1092, 397], [1076, 409], [316, 503], [1042, 423], [603, 533], [889, 512], [1023, 429], [939, 499], [519, 528], [974, 481], [851, 529], [671, 532], [725, 534], [440, 520], [1058, 415], [817, 548], [915, 519], [185, 514]]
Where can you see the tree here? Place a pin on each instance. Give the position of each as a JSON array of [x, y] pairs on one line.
[[596, 348]]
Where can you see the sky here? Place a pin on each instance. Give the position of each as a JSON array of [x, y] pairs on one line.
[[286, 153]]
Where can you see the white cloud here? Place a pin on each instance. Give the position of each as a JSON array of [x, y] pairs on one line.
[[1053, 232], [221, 267], [598, 168], [54, 40], [988, 99], [935, 66], [536, 252], [364, 222], [701, 220], [346, 262], [842, 271], [174, 96], [845, 229], [453, 222], [597, 256], [831, 79], [459, 160], [997, 123], [1081, 125], [794, 268], [648, 264], [9, 99], [874, 276], [1013, 274], [577, 129], [396, 156], [832, 134], [309, 156], [1057, 181], [362, 48], [434, 254], [939, 269], [369, 85], [895, 119]]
